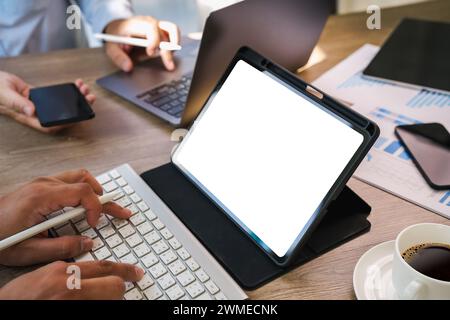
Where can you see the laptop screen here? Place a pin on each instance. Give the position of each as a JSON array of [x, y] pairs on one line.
[[267, 155]]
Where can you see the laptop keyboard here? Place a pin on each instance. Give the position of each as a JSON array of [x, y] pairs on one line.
[[170, 97], [144, 240]]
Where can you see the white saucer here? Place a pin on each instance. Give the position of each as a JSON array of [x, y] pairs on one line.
[[372, 277]]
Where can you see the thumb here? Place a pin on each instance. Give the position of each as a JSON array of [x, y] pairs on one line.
[[21, 104], [119, 57], [43, 250]]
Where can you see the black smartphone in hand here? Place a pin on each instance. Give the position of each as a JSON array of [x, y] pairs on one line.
[[60, 104], [429, 146]]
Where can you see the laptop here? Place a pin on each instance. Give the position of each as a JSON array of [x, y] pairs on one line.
[[285, 31]]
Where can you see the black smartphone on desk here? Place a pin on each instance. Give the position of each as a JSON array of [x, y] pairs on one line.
[[60, 104], [429, 146]]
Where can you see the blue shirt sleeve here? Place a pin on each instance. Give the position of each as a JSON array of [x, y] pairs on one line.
[[99, 13]]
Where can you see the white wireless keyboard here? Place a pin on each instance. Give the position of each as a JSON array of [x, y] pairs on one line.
[[171, 271]]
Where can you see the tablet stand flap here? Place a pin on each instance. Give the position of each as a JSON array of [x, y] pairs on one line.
[[244, 260]]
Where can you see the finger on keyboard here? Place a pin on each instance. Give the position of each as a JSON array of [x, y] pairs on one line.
[[94, 269]]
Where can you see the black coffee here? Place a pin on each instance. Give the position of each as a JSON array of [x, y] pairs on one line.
[[430, 259]]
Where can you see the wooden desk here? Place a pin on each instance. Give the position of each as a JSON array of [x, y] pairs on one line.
[[123, 133]]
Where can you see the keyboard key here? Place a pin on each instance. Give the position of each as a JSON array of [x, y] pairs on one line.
[[127, 231], [157, 270], [168, 257], [102, 222], [152, 237], [102, 253], [121, 182], [114, 174], [133, 295], [84, 257], [158, 224], [137, 219], [111, 258], [192, 264], [119, 223], [185, 278], [176, 110], [145, 282], [140, 265], [143, 206], [110, 186], [141, 249], [166, 281], [76, 219], [162, 89], [212, 287], [144, 228], [174, 243], [133, 209], [104, 178], [66, 230], [201, 275], [134, 240], [166, 233], [82, 225], [129, 258], [183, 253], [159, 247], [121, 250], [128, 190], [129, 285], [175, 292], [135, 198], [90, 233], [107, 231], [124, 202], [158, 103], [114, 241], [195, 289], [149, 260], [97, 243], [119, 195], [150, 215], [153, 292], [220, 296], [175, 103], [177, 267]]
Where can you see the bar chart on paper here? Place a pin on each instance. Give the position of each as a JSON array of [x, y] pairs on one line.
[[388, 165], [445, 199], [429, 99]]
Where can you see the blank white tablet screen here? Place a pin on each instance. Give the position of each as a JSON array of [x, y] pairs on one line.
[[266, 154]]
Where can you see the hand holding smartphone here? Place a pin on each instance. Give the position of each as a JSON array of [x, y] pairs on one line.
[[60, 104]]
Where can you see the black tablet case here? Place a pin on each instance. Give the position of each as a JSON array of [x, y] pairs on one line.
[[346, 218]]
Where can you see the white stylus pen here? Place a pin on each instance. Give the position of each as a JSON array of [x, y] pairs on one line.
[[137, 42], [46, 225]]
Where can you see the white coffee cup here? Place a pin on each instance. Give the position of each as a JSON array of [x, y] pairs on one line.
[[408, 282]]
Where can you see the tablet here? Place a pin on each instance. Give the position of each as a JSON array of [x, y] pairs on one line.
[[271, 154], [415, 54]]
